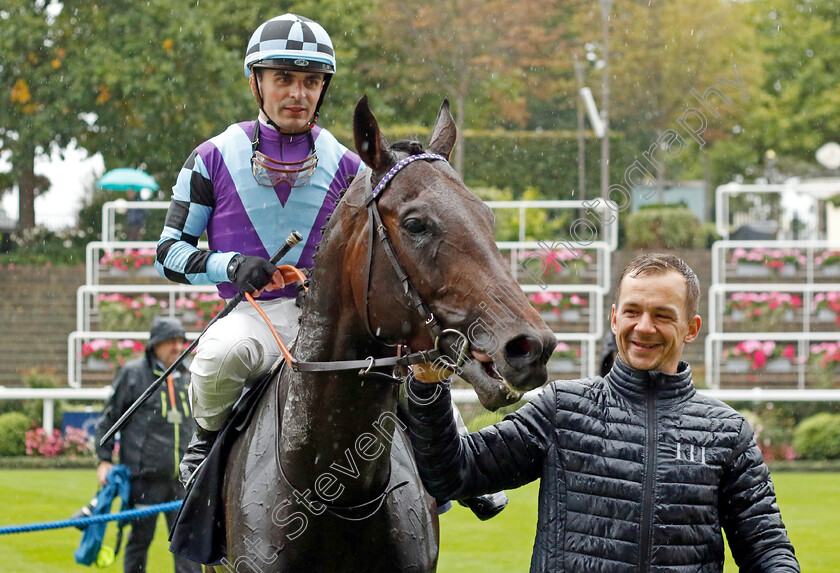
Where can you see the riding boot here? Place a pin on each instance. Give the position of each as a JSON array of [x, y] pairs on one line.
[[197, 450], [486, 506]]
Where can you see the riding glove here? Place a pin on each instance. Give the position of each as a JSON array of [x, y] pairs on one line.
[[250, 274]]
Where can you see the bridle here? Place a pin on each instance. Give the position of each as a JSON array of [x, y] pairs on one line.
[[377, 228], [366, 510]]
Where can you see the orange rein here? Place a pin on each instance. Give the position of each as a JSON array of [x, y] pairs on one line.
[[290, 275]]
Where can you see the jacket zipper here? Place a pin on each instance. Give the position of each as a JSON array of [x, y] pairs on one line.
[[650, 469]]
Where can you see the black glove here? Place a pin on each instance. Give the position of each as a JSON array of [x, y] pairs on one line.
[[250, 274]]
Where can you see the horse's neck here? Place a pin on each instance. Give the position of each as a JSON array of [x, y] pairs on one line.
[[333, 422]]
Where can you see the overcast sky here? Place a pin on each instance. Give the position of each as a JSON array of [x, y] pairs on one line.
[[69, 179]]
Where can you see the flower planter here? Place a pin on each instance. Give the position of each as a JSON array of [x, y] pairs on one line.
[[737, 315], [147, 271], [548, 315], [98, 365], [788, 271], [778, 365], [826, 315], [736, 365], [831, 270], [571, 315], [561, 365], [752, 270]]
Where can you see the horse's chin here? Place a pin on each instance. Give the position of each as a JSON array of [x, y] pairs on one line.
[[493, 390]]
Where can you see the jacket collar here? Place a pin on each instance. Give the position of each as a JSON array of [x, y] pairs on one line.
[[635, 384]]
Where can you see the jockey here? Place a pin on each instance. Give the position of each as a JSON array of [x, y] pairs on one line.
[[248, 188]]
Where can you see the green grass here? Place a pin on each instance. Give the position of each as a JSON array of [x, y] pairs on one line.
[[35, 496], [809, 501]]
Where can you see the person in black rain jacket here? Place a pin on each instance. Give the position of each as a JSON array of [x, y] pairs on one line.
[[638, 472], [154, 440]]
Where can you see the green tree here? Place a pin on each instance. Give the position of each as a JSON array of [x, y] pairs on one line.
[[170, 80], [482, 54], [796, 110], [36, 78], [659, 52]]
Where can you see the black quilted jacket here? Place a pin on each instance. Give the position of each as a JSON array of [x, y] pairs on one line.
[[638, 472]]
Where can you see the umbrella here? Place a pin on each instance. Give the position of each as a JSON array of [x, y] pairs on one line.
[[124, 179]]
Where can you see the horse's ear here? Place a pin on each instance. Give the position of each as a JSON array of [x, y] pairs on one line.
[[371, 146], [444, 133]]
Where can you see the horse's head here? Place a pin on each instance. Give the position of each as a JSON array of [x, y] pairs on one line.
[[442, 237]]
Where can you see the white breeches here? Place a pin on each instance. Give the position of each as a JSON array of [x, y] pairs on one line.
[[235, 350]]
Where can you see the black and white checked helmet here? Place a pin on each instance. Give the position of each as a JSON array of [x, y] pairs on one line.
[[293, 42]]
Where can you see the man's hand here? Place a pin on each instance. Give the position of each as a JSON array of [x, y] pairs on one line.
[[430, 372], [253, 274], [102, 472]]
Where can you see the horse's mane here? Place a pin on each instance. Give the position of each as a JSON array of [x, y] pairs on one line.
[[411, 147]]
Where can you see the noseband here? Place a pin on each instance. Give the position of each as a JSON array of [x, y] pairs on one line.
[[377, 228]]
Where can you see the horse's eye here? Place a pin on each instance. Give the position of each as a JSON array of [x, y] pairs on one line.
[[414, 226]]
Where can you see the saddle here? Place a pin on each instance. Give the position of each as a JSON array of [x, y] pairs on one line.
[[199, 530]]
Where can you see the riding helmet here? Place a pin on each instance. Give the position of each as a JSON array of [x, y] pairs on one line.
[[292, 42]]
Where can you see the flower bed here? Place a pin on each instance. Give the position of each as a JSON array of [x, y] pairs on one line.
[[102, 353], [199, 308], [121, 312], [762, 310], [827, 259], [825, 354], [128, 259], [776, 260], [556, 301], [73, 443], [759, 353], [560, 266], [827, 305]]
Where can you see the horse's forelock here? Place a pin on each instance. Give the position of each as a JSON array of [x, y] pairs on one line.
[[408, 146]]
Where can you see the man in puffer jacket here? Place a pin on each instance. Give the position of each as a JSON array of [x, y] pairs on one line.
[[638, 471]]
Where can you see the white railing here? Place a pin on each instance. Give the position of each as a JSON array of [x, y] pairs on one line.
[[809, 249], [50, 395], [714, 350], [815, 189], [87, 297], [718, 292], [541, 252], [596, 279], [608, 235], [96, 249], [76, 339]]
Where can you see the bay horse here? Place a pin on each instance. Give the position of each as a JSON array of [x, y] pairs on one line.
[[323, 479]]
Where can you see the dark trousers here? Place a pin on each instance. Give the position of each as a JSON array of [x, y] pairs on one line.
[[152, 491]]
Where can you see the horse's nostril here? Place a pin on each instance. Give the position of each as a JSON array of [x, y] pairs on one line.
[[521, 347]]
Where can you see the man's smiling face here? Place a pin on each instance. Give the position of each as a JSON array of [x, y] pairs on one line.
[[650, 321]]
